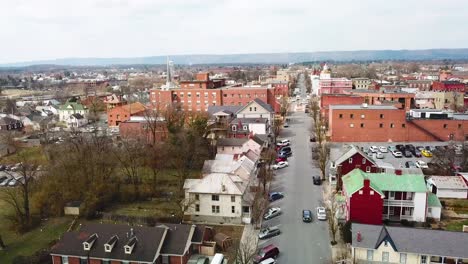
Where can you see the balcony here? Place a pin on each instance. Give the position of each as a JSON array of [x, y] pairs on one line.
[[399, 203]]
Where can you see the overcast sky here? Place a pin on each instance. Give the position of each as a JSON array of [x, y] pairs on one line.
[[49, 29]]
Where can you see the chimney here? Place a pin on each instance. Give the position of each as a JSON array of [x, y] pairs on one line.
[[366, 183], [359, 237], [131, 232], [223, 188]]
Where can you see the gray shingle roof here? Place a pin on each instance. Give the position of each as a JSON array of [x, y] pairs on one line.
[[264, 105], [232, 142], [212, 109], [413, 240]]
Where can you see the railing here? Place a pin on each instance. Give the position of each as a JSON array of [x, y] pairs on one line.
[[401, 203]]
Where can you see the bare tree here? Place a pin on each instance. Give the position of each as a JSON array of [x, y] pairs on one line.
[[154, 125], [246, 250], [2, 244], [284, 106], [259, 205], [332, 209], [323, 157]]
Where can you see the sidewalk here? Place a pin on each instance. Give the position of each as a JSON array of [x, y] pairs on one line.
[[250, 236]]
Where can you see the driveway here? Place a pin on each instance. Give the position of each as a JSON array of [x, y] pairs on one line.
[[299, 242]]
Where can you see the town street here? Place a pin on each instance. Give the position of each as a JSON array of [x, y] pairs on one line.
[[299, 242]]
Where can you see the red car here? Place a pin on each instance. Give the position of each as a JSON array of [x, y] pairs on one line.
[[278, 159]]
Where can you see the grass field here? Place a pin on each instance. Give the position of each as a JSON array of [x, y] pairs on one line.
[[456, 225], [460, 206], [35, 154]]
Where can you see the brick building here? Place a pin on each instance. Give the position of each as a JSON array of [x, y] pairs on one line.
[[199, 94], [422, 85], [143, 130], [381, 123], [326, 100], [448, 86], [123, 244], [398, 98], [123, 113]]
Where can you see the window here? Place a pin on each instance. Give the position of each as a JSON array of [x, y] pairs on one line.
[[381, 116], [234, 128], [351, 125], [423, 259], [233, 198], [363, 160], [245, 127], [250, 109], [64, 260], [165, 259], [197, 208], [371, 192], [391, 195], [233, 209], [83, 261], [392, 125], [429, 210], [341, 115], [350, 160], [360, 192], [370, 254], [445, 125], [214, 197], [362, 125], [215, 209], [197, 196], [105, 261], [367, 168], [403, 125], [381, 125], [255, 108], [402, 258], [363, 116], [409, 196], [459, 126], [385, 257], [351, 115]]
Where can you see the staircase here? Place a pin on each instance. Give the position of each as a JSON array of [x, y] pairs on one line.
[[409, 120]]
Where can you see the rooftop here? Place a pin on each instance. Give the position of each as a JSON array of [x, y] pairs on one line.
[[433, 200], [231, 142], [412, 240], [370, 107], [449, 182]]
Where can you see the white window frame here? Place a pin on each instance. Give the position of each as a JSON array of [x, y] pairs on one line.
[[368, 168], [391, 195], [423, 261], [403, 258], [385, 256], [65, 260], [350, 160], [213, 197], [234, 128], [370, 254]]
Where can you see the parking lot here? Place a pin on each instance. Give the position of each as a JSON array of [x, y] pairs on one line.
[[389, 158]]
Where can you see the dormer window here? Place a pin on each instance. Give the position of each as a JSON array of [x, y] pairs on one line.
[[234, 128], [110, 244], [88, 244], [130, 245], [246, 127]]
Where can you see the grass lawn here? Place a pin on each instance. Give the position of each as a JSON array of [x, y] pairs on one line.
[[32, 153], [29, 243], [460, 206], [456, 225], [155, 208]]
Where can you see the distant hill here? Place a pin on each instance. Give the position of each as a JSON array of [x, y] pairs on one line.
[[267, 58]]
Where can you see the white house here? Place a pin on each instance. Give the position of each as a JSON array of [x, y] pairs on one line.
[[217, 197], [231, 145], [389, 244], [70, 108], [76, 120], [257, 109], [448, 186]]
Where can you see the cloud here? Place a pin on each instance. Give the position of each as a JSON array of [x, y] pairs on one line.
[[33, 30]]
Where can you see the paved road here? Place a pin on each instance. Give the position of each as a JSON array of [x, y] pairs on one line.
[[299, 242]]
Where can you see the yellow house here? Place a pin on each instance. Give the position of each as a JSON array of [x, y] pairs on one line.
[[402, 245]]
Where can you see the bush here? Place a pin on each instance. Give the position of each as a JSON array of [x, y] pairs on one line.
[[405, 222], [333, 243]]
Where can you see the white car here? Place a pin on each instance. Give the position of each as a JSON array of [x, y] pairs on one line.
[[280, 165], [380, 155], [286, 125], [397, 154], [268, 261], [421, 164], [283, 142], [321, 213], [383, 149], [374, 149], [272, 212]]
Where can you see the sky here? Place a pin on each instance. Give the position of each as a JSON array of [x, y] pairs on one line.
[[50, 29]]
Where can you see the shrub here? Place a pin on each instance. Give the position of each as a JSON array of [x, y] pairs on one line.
[[346, 232]]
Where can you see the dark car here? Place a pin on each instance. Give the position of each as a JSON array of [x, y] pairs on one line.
[[2, 167], [317, 180], [410, 164], [285, 148], [306, 216], [282, 155], [407, 153], [416, 153], [270, 251], [400, 147], [286, 151], [275, 196]]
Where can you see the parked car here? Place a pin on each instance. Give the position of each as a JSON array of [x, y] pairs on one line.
[[271, 213], [283, 142], [397, 154], [391, 148], [317, 180], [306, 216], [426, 153], [280, 159], [383, 149], [373, 149], [4, 182], [420, 148], [379, 155], [321, 213], [280, 165], [282, 155], [286, 124], [416, 153], [286, 151], [410, 165], [421, 164], [400, 147], [12, 183], [269, 261], [269, 232], [270, 251], [407, 153], [275, 196], [2, 167]]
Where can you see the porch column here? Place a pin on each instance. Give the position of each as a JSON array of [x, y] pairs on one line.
[[443, 260], [401, 211]]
